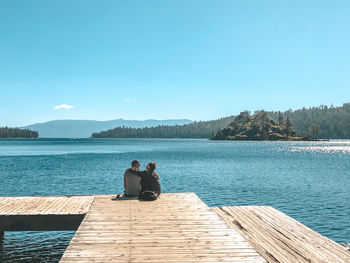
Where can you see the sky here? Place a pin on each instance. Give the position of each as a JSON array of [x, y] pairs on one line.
[[162, 59]]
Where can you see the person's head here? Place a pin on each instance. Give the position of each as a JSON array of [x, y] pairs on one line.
[[135, 163], [151, 167]]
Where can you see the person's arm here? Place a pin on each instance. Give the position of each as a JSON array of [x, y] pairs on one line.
[[138, 173]]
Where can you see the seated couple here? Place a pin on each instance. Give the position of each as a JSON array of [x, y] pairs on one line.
[[142, 184]]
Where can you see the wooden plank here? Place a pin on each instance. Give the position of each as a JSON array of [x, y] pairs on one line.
[[76, 204], [20, 205], [84, 208], [279, 238], [174, 228], [61, 206], [34, 204], [40, 206], [8, 205], [43, 213], [299, 231], [45, 205], [277, 242]]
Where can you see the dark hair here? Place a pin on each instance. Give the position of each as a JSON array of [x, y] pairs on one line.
[[152, 166], [134, 163]]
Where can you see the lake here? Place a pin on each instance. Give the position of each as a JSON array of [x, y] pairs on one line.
[[309, 181]]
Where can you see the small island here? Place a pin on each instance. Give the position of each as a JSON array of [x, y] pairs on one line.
[[6, 132], [258, 127]]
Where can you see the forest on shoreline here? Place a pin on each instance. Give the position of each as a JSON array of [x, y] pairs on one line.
[[196, 130], [322, 122], [6, 132]]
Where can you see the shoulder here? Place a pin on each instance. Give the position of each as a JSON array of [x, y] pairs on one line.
[[129, 171]]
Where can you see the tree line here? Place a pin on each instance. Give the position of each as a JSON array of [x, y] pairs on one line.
[[6, 132], [321, 122], [201, 129]]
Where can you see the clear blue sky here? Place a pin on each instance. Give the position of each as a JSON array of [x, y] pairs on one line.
[[165, 59]]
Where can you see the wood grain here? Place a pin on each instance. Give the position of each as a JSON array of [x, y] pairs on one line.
[[279, 238], [45, 205], [175, 228]]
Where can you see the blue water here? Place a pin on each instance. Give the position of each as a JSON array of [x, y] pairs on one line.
[[309, 181]]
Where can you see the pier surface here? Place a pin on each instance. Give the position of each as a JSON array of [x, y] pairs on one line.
[[174, 228], [177, 227], [45, 205], [280, 238], [43, 213]]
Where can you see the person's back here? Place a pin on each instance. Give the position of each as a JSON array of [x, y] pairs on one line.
[[132, 182], [150, 187], [150, 182]]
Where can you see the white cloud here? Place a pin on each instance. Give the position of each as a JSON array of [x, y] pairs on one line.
[[63, 106], [129, 100]]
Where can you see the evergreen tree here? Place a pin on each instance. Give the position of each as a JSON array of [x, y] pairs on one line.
[[314, 130], [6, 132], [280, 119], [288, 128]]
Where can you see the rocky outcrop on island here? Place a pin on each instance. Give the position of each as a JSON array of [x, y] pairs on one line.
[[259, 126]]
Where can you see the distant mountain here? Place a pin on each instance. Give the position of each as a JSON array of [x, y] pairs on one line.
[[84, 128]]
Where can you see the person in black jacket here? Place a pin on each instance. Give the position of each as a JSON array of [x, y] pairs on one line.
[[150, 179], [150, 186]]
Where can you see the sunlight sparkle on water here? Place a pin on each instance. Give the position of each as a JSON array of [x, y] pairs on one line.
[[329, 147]]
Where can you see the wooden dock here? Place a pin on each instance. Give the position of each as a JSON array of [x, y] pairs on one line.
[[43, 213], [280, 238], [175, 228]]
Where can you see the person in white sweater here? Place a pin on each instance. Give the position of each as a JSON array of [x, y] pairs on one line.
[[132, 180]]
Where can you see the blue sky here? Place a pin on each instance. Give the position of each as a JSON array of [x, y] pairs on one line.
[[163, 59]]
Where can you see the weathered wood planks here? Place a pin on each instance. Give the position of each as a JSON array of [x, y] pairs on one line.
[[174, 228], [43, 213], [279, 238], [45, 205]]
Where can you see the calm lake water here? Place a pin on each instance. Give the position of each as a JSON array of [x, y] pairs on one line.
[[309, 181]]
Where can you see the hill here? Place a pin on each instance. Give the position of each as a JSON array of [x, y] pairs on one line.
[[84, 128], [320, 122], [259, 126]]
